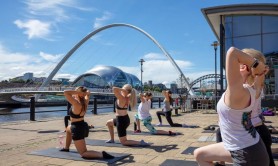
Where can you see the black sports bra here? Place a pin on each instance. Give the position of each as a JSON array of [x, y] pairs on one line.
[[124, 107], [72, 115]]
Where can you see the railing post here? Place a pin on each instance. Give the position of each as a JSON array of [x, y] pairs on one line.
[[68, 107], [159, 102], [32, 108], [95, 106], [114, 102]]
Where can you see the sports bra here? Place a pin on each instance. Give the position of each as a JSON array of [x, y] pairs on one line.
[[124, 107], [72, 115]]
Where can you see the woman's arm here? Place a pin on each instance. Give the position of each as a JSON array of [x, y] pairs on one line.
[[236, 95], [87, 96], [118, 92], [142, 98], [69, 96], [166, 95]]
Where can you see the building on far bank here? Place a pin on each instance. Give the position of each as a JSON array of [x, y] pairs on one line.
[[247, 26], [106, 77]]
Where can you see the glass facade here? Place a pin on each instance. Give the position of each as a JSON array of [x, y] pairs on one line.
[[105, 77], [259, 32]]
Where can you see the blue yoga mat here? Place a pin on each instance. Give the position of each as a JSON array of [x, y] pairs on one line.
[[74, 155]]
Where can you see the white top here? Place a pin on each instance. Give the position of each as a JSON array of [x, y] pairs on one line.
[[236, 127], [257, 111], [144, 109]]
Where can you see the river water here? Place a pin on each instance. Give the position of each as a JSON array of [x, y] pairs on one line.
[[19, 114]]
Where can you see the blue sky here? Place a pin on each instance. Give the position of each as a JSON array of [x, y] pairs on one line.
[[36, 34]]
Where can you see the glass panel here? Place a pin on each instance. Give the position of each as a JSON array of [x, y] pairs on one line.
[[242, 24], [228, 43], [228, 27], [270, 24], [270, 43], [248, 42]]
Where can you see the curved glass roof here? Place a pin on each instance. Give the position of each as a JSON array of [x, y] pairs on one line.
[[103, 76]]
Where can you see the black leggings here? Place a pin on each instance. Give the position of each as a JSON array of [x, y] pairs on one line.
[[266, 137], [167, 115], [122, 123]]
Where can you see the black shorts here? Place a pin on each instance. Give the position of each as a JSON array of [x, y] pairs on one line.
[[79, 130], [122, 122]]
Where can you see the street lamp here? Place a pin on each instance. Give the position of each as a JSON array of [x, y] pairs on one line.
[[141, 61], [215, 44]]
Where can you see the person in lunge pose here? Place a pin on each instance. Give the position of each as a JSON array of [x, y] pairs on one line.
[[145, 116], [125, 96], [241, 144], [167, 110], [79, 129]]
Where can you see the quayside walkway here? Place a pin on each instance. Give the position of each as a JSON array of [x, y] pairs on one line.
[[19, 139]]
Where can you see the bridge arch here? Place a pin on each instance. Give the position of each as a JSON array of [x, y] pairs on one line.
[[208, 76], [60, 64]]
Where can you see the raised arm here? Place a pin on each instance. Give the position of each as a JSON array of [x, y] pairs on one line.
[[119, 92], [166, 95], [69, 94], [235, 91], [142, 98]]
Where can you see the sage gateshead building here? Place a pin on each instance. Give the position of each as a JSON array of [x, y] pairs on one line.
[[105, 77], [247, 26]]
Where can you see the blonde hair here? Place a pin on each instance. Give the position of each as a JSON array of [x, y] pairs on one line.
[[255, 54], [132, 92], [82, 99]]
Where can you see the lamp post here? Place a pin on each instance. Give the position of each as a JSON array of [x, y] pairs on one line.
[[141, 61], [215, 44]]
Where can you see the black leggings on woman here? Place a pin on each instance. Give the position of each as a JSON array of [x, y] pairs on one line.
[[167, 115]]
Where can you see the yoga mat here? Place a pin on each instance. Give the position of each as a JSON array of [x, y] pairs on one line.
[[148, 133], [275, 156], [171, 162], [189, 150], [73, 155], [186, 126], [209, 131], [96, 142], [207, 139]]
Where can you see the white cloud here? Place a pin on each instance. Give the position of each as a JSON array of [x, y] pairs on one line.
[[49, 57], [34, 28], [16, 64], [154, 56], [100, 21], [56, 9]]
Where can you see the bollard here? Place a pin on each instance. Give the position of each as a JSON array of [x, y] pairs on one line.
[[68, 107], [95, 106], [159, 104], [114, 102], [32, 108]]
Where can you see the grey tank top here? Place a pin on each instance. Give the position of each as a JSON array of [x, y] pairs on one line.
[[166, 106]]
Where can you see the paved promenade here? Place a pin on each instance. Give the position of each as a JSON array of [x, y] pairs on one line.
[[17, 139]]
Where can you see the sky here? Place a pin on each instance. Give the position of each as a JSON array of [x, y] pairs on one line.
[[35, 35]]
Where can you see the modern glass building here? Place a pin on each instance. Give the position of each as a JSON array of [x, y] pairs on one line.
[[247, 26], [106, 77]]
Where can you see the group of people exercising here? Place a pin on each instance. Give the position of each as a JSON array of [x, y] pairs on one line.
[[126, 97], [244, 138]]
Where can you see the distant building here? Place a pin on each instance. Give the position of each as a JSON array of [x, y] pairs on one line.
[[174, 87], [64, 81], [27, 76], [247, 26], [106, 77]]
